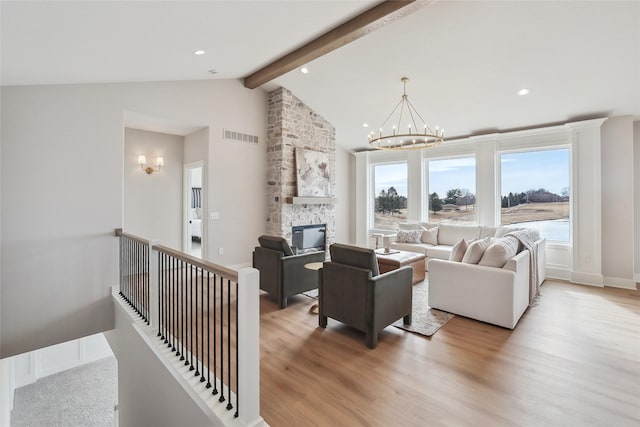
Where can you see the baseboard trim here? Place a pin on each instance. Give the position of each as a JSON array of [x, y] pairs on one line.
[[617, 282], [557, 273], [637, 277], [587, 279]]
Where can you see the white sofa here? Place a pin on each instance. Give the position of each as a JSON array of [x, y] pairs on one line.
[[449, 234], [490, 294], [494, 295]]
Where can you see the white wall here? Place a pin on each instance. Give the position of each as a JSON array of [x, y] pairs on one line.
[[636, 188], [140, 371], [153, 202], [344, 194], [618, 202], [62, 194]]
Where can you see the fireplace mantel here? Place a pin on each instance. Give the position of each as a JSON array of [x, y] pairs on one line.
[[311, 200]]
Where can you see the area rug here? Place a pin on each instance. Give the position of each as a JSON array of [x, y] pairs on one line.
[[424, 319]]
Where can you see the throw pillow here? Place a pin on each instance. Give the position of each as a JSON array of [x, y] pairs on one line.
[[430, 236], [500, 251], [474, 252], [458, 251], [409, 236]]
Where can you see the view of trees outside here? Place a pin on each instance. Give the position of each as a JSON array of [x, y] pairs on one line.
[[390, 186], [535, 192], [452, 186]]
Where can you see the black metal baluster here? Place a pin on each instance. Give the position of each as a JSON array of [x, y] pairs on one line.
[[120, 263], [165, 308], [215, 345], [202, 379], [146, 283], [174, 324], [185, 315], [229, 405], [237, 364], [190, 313], [126, 269], [221, 399], [196, 373], [160, 279], [136, 277], [208, 346], [180, 320]]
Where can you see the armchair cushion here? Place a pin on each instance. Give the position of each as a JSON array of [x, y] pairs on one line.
[[355, 257], [275, 243]]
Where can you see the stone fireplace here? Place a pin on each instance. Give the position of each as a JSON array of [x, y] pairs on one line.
[[292, 124]]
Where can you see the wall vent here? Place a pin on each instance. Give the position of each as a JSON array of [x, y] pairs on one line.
[[238, 136]]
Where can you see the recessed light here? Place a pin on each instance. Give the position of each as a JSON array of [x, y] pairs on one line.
[[365, 125], [199, 52], [523, 91], [304, 70]]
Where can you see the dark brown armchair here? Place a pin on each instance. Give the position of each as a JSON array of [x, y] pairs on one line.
[[282, 273], [353, 292]]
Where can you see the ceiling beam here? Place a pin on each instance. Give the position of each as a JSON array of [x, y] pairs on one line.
[[384, 13]]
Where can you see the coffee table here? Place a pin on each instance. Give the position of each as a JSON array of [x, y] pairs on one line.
[[397, 259]]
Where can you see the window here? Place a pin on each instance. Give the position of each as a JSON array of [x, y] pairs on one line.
[[451, 190], [535, 192], [390, 200]]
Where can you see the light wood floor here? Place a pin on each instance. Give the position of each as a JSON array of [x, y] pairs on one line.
[[573, 360]]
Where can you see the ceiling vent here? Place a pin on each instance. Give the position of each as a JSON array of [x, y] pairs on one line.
[[238, 136]]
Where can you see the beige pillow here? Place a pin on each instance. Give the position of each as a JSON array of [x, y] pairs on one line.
[[474, 252], [458, 250], [430, 236], [500, 251], [409, 236]]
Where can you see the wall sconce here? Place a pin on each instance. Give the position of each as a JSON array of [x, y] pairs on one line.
[[142, 161]]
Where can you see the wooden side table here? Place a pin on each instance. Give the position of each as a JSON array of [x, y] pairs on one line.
[[314, 266]]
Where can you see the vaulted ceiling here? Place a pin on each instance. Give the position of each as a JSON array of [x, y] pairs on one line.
[[466, 59]]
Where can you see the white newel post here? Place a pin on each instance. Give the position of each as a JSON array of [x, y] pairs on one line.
[[249, 347], [153, 284]]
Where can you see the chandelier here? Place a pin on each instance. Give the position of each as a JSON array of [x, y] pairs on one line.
[[405, 137]]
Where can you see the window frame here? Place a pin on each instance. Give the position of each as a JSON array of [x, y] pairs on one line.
[[426, 216], [371, 203], [532, 149]]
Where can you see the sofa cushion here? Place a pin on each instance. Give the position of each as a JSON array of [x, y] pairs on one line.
[[429, 225], [449, 234], [355, 256], [430, 236], [486, 231], [500, 251], [458, 250], [275, 243], [475, 250], [409, 236], [440, 252]]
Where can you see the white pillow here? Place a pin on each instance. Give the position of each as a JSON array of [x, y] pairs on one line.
[[409, 236], [474, 252], [458, 251], [500, 251], [430, 236]]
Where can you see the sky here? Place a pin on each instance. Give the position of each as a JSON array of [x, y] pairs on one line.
[[530, 170]]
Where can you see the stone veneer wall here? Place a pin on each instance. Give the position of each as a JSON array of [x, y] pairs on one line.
[[292, 124]]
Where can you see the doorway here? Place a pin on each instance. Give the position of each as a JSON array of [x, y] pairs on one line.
[[193, 210]]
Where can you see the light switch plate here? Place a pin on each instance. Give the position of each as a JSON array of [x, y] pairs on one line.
[[214, 215]]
